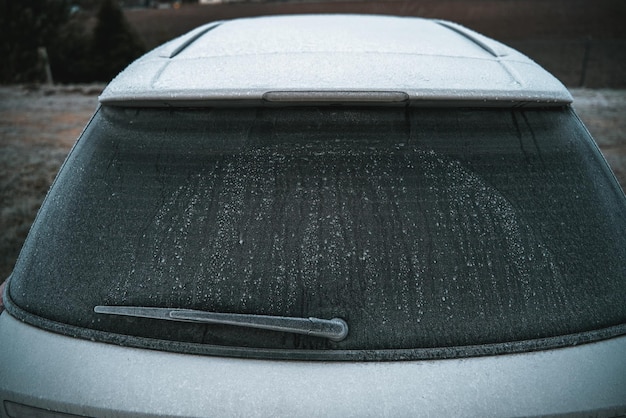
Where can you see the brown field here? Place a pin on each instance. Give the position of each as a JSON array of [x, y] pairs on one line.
[[582, 42], [501, 19]]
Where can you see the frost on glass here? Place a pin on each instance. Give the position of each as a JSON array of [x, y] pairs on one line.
[[420, 229], [345, 230]]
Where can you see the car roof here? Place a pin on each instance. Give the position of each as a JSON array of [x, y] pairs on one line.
[[334, 59]]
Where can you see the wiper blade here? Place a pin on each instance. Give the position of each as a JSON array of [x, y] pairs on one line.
[[335, 329]]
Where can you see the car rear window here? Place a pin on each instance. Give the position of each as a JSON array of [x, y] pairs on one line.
[[431, 232]]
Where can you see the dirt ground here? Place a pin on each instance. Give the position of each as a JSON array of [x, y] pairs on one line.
[[38, 126]]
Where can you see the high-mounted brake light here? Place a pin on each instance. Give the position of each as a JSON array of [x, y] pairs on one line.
[[339, 97]]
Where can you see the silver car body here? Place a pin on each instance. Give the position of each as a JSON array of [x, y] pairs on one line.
[[330, 58], [290, 60], [51, 371]]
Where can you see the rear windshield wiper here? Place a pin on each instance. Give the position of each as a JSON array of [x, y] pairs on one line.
[[335, 329]]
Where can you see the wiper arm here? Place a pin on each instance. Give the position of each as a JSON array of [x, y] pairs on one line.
[[335, 329]]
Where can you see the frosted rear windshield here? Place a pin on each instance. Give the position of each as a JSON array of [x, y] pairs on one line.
[[431, 232]]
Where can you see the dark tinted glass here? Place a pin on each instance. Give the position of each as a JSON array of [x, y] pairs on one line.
[[424, 229]]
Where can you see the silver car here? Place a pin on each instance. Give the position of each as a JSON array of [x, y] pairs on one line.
[[335, 215]]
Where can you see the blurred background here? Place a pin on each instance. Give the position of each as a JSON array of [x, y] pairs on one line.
[[582, 42], [57, 56]]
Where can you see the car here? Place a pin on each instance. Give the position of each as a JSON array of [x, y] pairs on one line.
[[324, 215]]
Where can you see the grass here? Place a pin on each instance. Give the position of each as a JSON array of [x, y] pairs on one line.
[[37, 131]]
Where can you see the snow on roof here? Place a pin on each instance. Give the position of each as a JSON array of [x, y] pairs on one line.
[[334, 59]]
